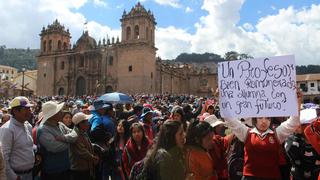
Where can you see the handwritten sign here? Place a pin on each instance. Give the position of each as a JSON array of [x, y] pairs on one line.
[[264, 87]]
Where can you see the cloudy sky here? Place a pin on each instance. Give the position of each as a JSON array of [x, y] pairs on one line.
[[257, 27]]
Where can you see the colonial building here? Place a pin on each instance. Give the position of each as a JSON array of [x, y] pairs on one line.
[[310, 86], [128, 65]]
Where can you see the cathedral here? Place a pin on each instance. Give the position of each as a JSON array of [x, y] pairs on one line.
[[128, 65]]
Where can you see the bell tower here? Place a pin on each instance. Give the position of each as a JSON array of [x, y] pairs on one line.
[[54, 39], [138, 26]]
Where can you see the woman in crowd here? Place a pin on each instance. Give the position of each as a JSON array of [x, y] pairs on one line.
[[200, 165], [262, 145], [165, 160], [82, 156], [67, 119], [178, 115], [136, 147], [121, 137]]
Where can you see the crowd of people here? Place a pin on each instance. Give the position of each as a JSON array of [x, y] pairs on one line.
[[154, 137]]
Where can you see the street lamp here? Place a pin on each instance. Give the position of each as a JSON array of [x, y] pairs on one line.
[[22, 91]]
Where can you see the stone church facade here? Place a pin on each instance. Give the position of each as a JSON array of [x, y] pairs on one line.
[[128, 65]]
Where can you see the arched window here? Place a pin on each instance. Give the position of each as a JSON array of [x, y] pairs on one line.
[[130, 68], [81, 63], [61, 91], [147, 33], [50, 45], [65, 46], [80, 86], [62, 65], [110, 60], [128, 33], [136, 32], [44, 46], [59, 45]]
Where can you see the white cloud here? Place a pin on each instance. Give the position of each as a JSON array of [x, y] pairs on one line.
[[172, 41], [173, 3], [290, 31], [100, 3], [248, 27], [273, 7], [188, 10], [21, 21]]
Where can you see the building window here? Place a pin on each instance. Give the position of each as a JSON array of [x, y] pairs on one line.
[[81, 63], [59, 45], [12, 72], [130, 68], [151, 75], [111, 60], [50, 45], [136, 32], [62, 65], [44, 75], [7, 71], [147, 33], [128, 33], [44, 46], [312, 85], [303, 87], [65, 47]]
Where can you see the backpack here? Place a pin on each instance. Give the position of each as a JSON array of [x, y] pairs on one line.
[[235, 159]]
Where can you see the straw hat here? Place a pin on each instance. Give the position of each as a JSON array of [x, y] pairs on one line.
[[79, 117], [50, 109]]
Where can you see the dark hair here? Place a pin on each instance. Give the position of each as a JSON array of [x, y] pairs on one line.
[[141, 128], [126, 127], [65, 113], [196, 131], [166, 140], [180, 111]]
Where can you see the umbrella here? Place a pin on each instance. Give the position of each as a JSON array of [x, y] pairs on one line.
[[116, 97]]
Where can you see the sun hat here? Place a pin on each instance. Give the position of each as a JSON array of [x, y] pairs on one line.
[[20, 101], [50, 109], [213, 120], [307, 116], [79, 117]]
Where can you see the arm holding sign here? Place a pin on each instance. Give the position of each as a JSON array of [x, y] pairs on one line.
[[240, 130], [289, 126]]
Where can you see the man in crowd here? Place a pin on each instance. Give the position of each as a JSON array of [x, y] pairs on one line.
[[17, 143]]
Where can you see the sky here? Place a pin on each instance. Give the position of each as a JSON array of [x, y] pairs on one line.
[[260, 28]]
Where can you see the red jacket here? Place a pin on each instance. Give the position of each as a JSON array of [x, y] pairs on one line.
[[312, 133], [132, 154], [219, 154]]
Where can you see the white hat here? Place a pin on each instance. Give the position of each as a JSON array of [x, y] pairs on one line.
[[80, 116], [307, 116], [213, 120], [50, 108]]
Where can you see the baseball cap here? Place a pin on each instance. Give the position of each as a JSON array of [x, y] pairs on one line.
[[20, 101], [79, 117]]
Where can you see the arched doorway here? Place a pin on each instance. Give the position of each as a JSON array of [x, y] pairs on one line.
[[80, 86], [61, 91], [109, 89]]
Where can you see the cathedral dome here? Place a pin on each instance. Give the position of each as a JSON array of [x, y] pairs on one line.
[[86, 41]]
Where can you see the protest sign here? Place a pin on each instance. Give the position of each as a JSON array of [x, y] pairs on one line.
[[264, 87]]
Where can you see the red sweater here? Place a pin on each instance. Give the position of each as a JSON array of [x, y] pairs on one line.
[[261, 156]]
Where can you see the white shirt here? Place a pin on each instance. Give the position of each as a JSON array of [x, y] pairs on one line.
[[17, 146], [282, 132]]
